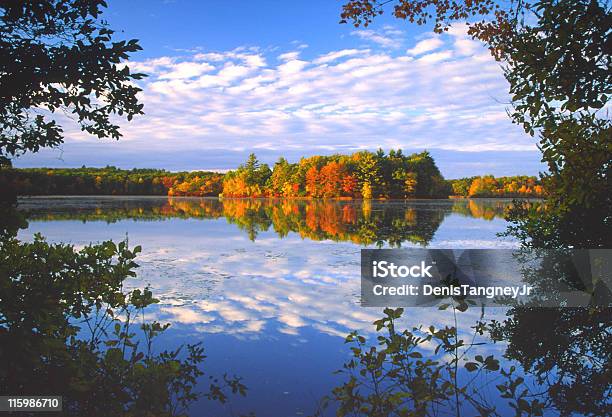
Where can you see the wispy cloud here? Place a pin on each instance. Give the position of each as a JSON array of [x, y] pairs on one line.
[[387, 37], [333, 56], [443, 92], [426, 45]]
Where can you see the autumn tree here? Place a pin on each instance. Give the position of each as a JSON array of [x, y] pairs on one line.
[[313, 184], [368, 173], [349, 185], [331, 178], [482, 187], [410, 184], [281, 176], [249, 180], [489, 186]]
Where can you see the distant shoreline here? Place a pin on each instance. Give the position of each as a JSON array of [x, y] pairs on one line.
[[360, 176], [59, 196]]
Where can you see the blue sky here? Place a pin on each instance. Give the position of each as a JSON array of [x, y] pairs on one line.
[[285, 78]]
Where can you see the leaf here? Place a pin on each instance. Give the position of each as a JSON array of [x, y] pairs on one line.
[[471, 366]]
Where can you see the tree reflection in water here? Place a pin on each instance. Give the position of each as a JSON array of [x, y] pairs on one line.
[[429, 371], [362, 222], [568, 349], [556, 360], [67, 327]]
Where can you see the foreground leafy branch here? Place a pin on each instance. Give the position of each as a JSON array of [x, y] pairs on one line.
[[68, 326], [427, 372]]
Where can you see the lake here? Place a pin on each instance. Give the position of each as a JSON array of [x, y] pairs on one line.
[[270, 287]]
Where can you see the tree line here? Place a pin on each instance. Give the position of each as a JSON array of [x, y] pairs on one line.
[[489, 186], [109, 181], [359, 175]]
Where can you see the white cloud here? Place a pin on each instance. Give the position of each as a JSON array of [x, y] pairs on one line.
[[332, 56], [388, 37], [390, 30], [426, 45], [383, 39], [435, 57], [289, 56], [210, 56], [463, 43], [151, 65], [186, 70], [447, 93]]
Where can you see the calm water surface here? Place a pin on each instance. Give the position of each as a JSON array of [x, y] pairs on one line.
[[271, 287]]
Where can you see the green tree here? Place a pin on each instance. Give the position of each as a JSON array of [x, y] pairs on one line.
[[429, 179], [251, 167], [426, 371], [561, 81], [557, 62], [281, 175], [49, 294], [254, 172], [59, 55], [461, 186], [557, 57]]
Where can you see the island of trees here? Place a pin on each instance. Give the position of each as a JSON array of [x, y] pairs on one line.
[[361, 175]]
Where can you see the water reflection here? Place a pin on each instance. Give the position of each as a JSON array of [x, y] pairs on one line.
[[556, 360], [269, 286], [551, 366], [361, 222], [231, 275], [68, 328]]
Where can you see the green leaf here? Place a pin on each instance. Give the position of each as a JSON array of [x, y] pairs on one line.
[[471, 366]]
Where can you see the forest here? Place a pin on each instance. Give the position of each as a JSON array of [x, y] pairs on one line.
[[364, 174], [109, 181], [517, 186]]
